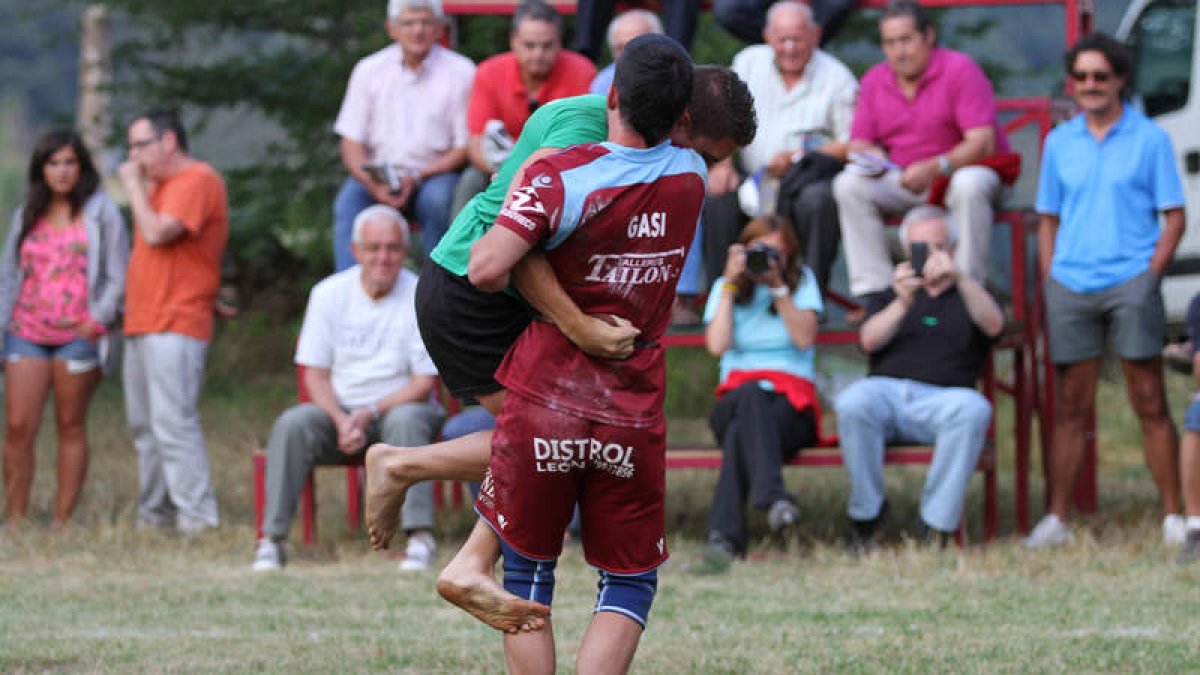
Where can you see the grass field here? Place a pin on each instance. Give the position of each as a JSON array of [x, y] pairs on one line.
[[104, 598]]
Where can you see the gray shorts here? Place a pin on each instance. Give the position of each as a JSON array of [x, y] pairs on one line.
[[1132, 313]]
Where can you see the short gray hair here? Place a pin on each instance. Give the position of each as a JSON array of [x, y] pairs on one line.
[[794, 6], [396, 7], [643, 14], [924, 213], [378, 212]]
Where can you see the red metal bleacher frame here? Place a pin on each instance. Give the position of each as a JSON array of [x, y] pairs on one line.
[[1032, 386]]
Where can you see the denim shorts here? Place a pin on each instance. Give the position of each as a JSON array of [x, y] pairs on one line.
[[80, 354], [1191, 419]]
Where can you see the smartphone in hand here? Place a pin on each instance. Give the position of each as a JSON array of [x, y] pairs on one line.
[[919, 255]]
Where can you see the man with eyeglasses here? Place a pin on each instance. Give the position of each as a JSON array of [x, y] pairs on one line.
[[926, 113], [181, 223], [404, 115], [509, 87], [1107, 177], [369, 378]]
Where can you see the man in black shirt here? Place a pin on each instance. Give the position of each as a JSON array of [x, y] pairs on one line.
[[927, 338]]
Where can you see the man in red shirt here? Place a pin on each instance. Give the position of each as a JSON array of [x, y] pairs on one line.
[[510, 86]]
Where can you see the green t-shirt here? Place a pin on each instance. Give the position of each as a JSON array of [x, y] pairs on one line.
[[558, 124]]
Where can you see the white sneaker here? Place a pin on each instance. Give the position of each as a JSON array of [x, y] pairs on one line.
[[420, 552], [269, 557], [1050, 531], [1174, 530]]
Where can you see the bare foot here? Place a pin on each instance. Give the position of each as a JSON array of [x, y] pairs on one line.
[[485, 599], [385, 493]]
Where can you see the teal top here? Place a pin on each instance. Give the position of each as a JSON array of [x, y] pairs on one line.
[[558, 124]]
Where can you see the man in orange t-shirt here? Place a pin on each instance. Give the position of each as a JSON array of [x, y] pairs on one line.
[[181, 223]]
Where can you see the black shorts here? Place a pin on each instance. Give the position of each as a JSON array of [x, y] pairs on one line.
[[466, 331]]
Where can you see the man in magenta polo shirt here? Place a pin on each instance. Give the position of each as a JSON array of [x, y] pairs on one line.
[[510, 86], [926, 112]]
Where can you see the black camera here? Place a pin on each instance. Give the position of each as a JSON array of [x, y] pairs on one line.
[[759, 257]]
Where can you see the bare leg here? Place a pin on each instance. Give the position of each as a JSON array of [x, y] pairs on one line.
[[27, 383], [468, 582], [72, 395], [530, 653], [608, 645], [1160, 443], [1074, 399], [391, 470]]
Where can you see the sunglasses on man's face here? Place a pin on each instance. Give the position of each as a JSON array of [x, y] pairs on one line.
[[1100, 76]]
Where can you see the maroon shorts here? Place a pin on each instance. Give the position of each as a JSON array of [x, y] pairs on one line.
[[544, 461]]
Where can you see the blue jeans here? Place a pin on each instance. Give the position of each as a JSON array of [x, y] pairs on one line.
[[79, 349], [878, 410], [468, 421], [1191, 419], [431, 208]]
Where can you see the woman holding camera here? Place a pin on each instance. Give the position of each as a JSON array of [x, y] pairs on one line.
[[761, 319], [62, 278]]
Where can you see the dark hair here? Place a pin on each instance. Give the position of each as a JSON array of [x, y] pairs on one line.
[[909, 8], [654, 84], [535, 10], [164, 120], [790, 271], [722, 106], [1119, 57], [37, 196]]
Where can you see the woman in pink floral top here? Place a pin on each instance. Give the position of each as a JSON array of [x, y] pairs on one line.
[[62, 280]]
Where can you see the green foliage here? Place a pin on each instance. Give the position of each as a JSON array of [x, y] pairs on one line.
[[288, 62]]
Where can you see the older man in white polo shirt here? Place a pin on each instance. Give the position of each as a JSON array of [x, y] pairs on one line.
[[405, 108], [804, 99], [370, 379]]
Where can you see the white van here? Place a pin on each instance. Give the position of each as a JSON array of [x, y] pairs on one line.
[[1163, 35]]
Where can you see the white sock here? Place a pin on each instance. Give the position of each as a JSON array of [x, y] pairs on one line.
[[1193, 522]]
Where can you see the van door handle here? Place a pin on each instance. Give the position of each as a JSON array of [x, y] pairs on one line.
[[1191, 161]]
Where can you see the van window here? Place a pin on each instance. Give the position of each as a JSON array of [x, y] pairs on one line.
[[1163, 41]]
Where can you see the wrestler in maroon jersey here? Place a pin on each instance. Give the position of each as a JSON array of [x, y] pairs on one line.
[[615, 220]]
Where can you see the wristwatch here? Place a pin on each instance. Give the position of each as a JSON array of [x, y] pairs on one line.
[[944, 165]]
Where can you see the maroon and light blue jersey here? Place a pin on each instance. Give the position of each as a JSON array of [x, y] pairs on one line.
[[615, 223]]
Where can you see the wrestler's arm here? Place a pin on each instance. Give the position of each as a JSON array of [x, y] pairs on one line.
[[610, 338], [493, 258]]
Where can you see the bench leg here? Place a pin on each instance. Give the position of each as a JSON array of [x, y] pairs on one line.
[[353, 499], [308, 510], [260, 491]]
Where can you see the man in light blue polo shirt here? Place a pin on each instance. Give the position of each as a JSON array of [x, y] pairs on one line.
[[1107, 175]]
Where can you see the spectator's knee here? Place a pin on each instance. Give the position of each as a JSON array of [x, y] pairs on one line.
[[1149, 403], [293, 421], [854, 404], [849, 187], [973, 410], [972, 182], [817, 195], [408, 423]]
